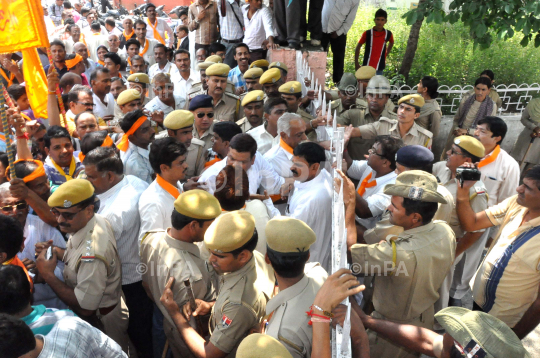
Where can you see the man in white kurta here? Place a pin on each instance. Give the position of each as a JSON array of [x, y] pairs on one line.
[[155, 24], [264, 139], [311, 200], [136, 162]]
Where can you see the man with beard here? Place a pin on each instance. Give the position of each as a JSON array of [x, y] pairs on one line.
[[119, 197], [61, 165], [138, 134], [271, 80], [92, 272], [253, 104], [58, 52]]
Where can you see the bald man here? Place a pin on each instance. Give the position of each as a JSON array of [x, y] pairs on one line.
[[69, 80], [89, 64]]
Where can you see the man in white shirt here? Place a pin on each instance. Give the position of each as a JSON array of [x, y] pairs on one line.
[[292, 131], [168, 159], [147, 44], [157, 28], [267, 135], [138, 134], [500, 175], [162, 64], [312, 196], [82, 50], [110, 26], [259, 29], [95, 39], [164, 100], [337, 19], [243, 152], [114, 45], [100, 80], [119, 197], [183, 77], [373, 175]]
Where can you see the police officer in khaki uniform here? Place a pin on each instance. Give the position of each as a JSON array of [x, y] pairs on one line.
[[201, 87], [92, 272], [404, 127], [202, 107], [127, 101], [261, 346], [282, 68], [254, 101], [262, 64], [240, 305], [363, 75], [288, 241], [292, 93], [173, 253], [271, 80], [252, 77], [140, 82], [412, 264], [226, 105]]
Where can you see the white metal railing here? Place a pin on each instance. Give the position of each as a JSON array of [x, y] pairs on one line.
[[514, 97]]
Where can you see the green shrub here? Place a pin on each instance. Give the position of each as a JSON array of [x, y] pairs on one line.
[[446, 52]]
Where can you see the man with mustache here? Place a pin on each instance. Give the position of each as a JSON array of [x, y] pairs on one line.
[[138, 134], [253, 104], [292, 93], [93, 272], [119, 197], [236, 76], [226, 105], [61, 165]]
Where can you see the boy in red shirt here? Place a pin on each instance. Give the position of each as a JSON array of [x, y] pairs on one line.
[[375, 40]]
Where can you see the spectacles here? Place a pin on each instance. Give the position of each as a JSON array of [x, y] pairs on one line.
[[19, 206], [87, 104], [373, 151], [209, 115], [66, 216], [453, 152]]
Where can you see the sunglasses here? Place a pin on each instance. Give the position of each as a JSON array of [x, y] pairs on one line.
[[202, 115], [66, 216], [10, 208], [87, 104]]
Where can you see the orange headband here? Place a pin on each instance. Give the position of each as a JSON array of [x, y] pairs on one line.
[[71, 63], [107, 142], [123, 145], [40, 170]]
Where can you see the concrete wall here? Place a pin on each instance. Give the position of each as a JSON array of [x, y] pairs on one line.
[[514, 129]]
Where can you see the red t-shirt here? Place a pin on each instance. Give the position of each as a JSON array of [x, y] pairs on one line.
[[375, 47]]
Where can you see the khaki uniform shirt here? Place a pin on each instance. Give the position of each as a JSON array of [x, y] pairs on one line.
[[239, 308], [197, 89], [385, 126], [478, 196], [228, 108], [198, 151], [244, 124], [92, 266], [312, 136], [166, 257], [430, 117], [424, 256], [289, 321], [359, 116]]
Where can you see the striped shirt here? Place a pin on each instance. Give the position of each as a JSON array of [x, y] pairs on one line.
[[231, 26], [506, 283], [206, 30], [43, 319], [120, 206], [73, 337]]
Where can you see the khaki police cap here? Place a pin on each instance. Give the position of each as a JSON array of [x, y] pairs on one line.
[[290, 87], [271, 76], [253, 73], [348, 83], [218, 69], [214, 59], [230, 231], [139, 78], [482, 333], [179, 119], [471, 145], [379, 85], [259, 63], [259, 345], [413, 99], [128, 96], [280, 65], [197, 204], [416, 185], [205, 65], [71, 193], [253, 96], [365, 73], [285, 235]]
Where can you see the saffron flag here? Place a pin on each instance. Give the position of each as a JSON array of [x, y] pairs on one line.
[[22, 28]]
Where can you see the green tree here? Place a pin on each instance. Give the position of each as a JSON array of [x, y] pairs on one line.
[[485, 19]]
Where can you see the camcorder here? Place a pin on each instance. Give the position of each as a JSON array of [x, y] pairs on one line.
[[463, 174]]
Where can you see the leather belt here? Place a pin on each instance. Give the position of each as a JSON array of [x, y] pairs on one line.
[[233, 41]]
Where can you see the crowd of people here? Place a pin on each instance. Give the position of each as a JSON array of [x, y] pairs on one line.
[[173, 212]]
